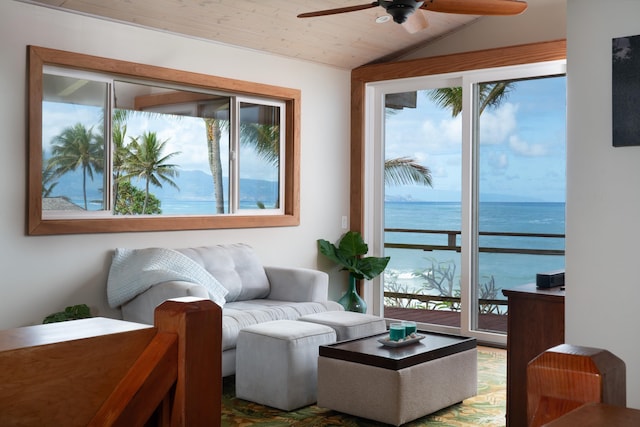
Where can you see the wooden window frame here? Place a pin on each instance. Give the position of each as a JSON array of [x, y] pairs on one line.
[[38, 57]]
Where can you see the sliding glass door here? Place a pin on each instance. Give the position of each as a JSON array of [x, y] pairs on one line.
[[422, 210], [473, 172], [520, 140]]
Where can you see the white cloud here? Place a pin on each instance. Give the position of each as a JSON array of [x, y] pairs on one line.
[[421, 138], [442, 136], [497, 125], [56, 117], [187, 136], [525, 149]]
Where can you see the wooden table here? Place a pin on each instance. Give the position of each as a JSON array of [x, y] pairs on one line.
[[535, 323], [598, 415], [369, 351]]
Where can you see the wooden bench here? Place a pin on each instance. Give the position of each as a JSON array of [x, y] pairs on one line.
[[107, 372]]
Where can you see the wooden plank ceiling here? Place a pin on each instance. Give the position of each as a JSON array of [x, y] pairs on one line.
[[345, 41]]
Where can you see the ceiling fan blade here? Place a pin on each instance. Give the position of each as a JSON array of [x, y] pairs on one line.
[[476, 7], [416, 22], [339, 10]]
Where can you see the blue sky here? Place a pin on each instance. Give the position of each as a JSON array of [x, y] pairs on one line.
[[522, 153]]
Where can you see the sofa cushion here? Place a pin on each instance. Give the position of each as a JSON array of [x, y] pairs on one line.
[[239, 315], [236, 266], [349, 325], [133, 271]]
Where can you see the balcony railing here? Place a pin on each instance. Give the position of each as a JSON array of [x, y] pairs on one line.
[[453, 246], [486, 306], [484, 303]]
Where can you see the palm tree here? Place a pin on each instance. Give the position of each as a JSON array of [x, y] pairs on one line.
[[146, 162], [121, 155], [121, 151], [77, 147], [406, 171], [490, 95], [265, 138], [214, 133], [48, 183]]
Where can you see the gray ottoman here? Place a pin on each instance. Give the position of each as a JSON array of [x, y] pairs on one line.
[[364, 378], [277, 362], [347, 324]]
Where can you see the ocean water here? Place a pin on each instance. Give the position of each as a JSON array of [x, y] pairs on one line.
[[180, 207], [411, 270]]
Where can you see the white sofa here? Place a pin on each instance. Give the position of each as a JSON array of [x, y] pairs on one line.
[[256, 293]]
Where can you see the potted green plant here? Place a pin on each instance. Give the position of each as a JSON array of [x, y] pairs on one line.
[[74, 312], [349, 254]]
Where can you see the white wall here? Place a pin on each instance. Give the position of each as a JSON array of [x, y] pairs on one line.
[[603, 200], [44, 274]]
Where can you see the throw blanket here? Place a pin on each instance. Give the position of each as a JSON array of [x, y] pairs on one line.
[[133, 271]]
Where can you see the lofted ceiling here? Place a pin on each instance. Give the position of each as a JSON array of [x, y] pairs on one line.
[[345, 41]]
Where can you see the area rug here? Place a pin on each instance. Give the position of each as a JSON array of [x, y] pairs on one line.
[[485, 409]]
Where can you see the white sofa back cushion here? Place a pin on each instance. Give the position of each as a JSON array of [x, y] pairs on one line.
[[133, 271], [236, 266]]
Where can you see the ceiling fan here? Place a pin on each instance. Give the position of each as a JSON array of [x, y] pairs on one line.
[[402, 11]]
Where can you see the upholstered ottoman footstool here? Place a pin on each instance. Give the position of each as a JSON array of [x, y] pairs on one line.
[[347, 324], [277, 362], [395, 385]]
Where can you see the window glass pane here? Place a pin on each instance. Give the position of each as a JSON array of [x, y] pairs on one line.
[[157, 143], [422, 218], [171, 151], [521, 185], [259, 156], [73, 144]]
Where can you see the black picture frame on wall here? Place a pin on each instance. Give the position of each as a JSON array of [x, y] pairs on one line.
[[626, 91]]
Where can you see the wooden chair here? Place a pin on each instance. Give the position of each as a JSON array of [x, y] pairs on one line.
[[107, 372], [566, 377]]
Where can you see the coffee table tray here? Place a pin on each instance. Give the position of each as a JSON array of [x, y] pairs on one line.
[[385, 341]]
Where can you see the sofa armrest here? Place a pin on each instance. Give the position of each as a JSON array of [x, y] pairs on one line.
[[297, 284], [141, 309]]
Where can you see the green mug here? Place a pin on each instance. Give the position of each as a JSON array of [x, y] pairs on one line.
[[397, 331]]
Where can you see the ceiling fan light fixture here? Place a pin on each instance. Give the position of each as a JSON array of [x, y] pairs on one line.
[[400, 13], [400, 10]]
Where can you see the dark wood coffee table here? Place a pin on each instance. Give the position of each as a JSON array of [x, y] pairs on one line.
[[395, 385]]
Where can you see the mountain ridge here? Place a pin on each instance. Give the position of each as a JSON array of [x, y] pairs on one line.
[[193, 185]]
